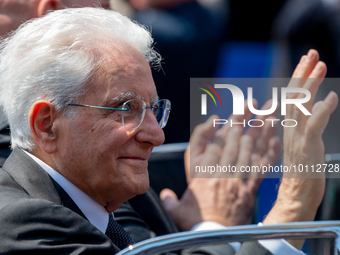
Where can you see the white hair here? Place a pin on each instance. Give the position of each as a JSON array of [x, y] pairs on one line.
[[54, 57]]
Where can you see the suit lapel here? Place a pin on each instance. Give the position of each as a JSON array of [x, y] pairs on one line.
[[66, 200], [32, 178], [35, 181]]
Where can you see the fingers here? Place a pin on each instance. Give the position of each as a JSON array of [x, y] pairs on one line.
[[238, 118], [246, 148], [321, 112], [231, 150], [305, 67], [314, 81], [217, 146], [273, 152], [247, 113], [308, 75], [270, 157], [202, 135], [199, 141], [268, 131], [262, 135], [185, 213], [169, 200], [297, 69]]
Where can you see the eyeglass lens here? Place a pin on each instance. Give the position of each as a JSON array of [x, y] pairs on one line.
[[134, 117], [162, 110], [135, 114]]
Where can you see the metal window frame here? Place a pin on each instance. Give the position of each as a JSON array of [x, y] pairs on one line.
[[295, 230]]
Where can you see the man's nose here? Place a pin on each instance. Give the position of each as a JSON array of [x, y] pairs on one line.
[[150, 131]]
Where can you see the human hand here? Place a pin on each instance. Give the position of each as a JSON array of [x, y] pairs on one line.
[[301, 193], [228, 201], [265, 143]]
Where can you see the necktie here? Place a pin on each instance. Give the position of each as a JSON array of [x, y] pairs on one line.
[[132, 223], [117, 234]]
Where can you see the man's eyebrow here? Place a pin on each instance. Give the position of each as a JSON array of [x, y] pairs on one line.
[[155, 99], [123, 97], [120, 98]]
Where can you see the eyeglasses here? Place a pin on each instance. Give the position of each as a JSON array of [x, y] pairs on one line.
[[133, 112]]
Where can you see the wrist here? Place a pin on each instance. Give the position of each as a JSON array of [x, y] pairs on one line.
[[288, 210], [301, 196], [291, 206]]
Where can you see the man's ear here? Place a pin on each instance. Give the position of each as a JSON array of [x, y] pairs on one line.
[[41, 117], [47, 5]]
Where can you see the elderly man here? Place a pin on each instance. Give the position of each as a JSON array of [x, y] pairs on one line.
[[154, 220], [84, 116]]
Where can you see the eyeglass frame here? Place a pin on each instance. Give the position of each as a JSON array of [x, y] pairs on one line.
[[122, 109]]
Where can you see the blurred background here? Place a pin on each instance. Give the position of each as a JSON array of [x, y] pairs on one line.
[[239, 39]]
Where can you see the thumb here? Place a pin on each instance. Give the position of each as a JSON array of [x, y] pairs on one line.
[[169, 200]]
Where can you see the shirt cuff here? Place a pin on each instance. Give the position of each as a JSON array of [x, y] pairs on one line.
[[280, 247], [207, 225]]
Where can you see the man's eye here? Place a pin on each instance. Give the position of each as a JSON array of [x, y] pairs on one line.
[[133, 105], [128, 106]]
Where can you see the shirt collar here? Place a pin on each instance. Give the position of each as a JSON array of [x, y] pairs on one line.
[[93, 211]]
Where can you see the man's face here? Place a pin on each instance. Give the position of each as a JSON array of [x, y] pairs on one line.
[[96, 152]]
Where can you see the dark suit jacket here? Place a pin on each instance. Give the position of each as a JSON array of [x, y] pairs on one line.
[[37, 215]]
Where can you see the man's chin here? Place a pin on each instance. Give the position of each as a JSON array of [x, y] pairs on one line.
[[140, 185], [143, 187], [130, 192]]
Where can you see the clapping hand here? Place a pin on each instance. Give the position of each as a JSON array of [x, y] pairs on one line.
[[301, 193], [225, 198]]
